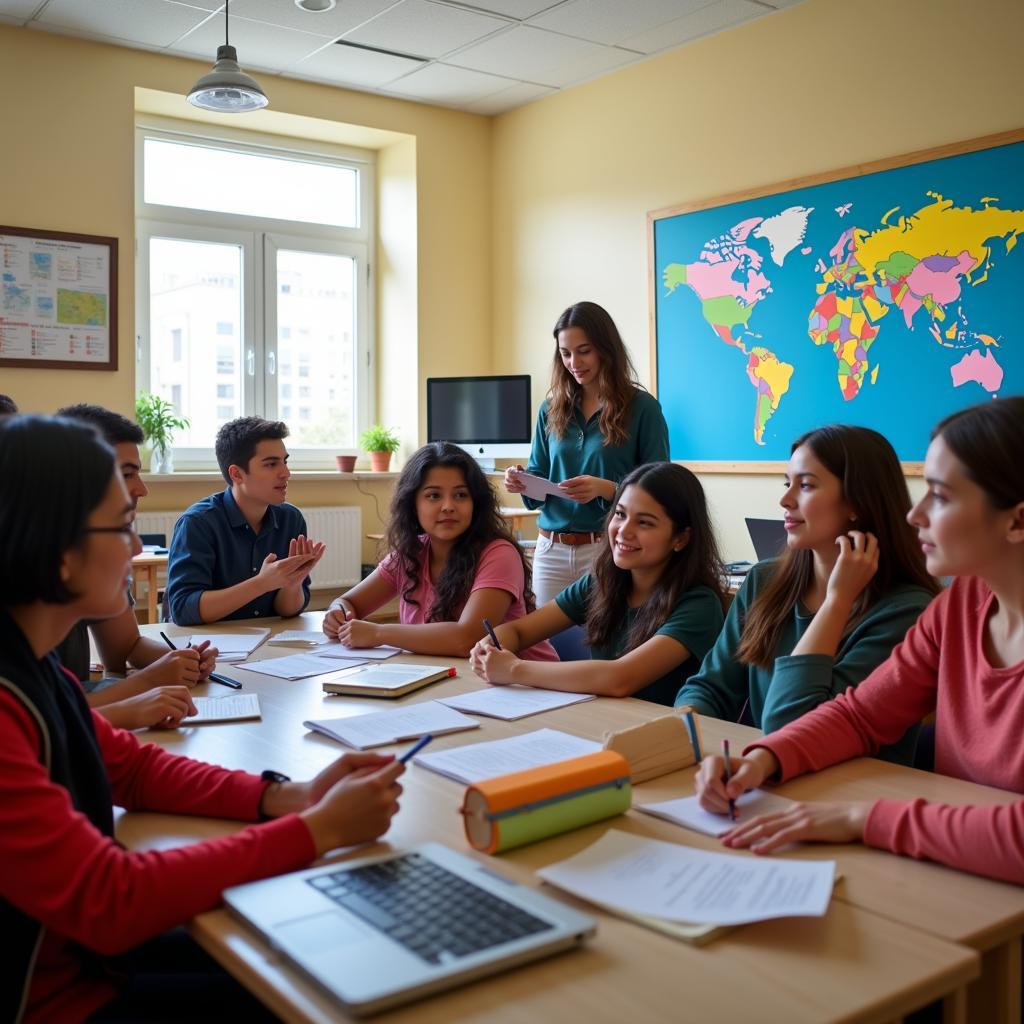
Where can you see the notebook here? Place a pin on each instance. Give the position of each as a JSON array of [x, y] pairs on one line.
[[232, 707], [385, 680], [232, 646], [384, 930], [513, 702], [379, 728], [688, 812], [768, 537]]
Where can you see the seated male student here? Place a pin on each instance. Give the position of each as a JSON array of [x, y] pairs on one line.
[[243, 553], [153, 694]]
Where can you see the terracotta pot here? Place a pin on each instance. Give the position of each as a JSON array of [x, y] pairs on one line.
[[380, 461], [345, 463]]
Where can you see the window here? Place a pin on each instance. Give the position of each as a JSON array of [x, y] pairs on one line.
[[261, 256]]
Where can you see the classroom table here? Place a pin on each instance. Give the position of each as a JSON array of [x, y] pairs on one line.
[[146, 569], [854, 964]]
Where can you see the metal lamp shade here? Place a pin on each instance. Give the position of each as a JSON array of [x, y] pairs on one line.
[[227, 89]]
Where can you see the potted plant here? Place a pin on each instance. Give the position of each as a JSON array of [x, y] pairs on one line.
[[157, 418], [345, 463], [380, 443]]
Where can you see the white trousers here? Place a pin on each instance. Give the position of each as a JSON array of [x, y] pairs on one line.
[[555, 566]]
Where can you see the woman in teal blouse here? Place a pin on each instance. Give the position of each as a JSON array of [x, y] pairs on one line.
[[595, 426], [851, 583]]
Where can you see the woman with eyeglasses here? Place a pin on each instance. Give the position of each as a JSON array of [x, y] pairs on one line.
[[86, 921], [596, 425]]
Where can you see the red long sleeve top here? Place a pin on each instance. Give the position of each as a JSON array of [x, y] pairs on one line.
[[84, 888], [979, 718]]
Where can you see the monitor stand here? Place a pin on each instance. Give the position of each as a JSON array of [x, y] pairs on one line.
[[488, 465]]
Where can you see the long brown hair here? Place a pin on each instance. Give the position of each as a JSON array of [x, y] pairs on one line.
[[616, 383], [874, 486], [680, 494], [453, 587]]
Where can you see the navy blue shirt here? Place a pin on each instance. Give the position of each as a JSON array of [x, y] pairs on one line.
[[214, 548]]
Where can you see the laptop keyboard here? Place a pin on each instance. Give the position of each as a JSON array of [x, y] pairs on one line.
[[432, 912]]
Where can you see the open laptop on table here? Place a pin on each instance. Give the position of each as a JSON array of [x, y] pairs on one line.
[[768, 537], [384, 930]]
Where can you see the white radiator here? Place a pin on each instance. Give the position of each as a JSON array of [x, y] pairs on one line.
[[339, 527]]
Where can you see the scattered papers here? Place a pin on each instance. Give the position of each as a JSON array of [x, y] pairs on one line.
[[360, 653], [626, 873], [230, 646], [513, 702], [538, 488], [230, 708], [294, 666], [381, 727], [478, 761], [689, 813], [299, 638]]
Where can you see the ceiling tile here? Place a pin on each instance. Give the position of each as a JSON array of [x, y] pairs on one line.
[[347, 15], [151, 22], [258, 45], [349, 65], [713, 18], [442, 83], [541, 57], [611, 21], [508, 99], [206, 5], [19, 10], [425, 29], [512, 8]]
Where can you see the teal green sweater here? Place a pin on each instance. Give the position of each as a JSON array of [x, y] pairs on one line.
[[797, 683]]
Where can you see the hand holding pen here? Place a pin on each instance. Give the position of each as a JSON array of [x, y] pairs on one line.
[[728, 778], [204, 655]]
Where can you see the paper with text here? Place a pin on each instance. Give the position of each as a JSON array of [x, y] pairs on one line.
[[513, 702], [294, 666], [300, 638], [232, 707], [231, 646], [344, 653], [656, 879], [381, 727], [478, 761], [688, 812]]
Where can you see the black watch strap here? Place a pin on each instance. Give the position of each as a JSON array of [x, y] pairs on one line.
[[271, 776]]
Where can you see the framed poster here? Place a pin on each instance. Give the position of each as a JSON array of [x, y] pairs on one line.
[[58, 300], [886, 295]]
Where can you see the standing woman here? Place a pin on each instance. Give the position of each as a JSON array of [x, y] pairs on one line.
[[595, 425], [964, 660]]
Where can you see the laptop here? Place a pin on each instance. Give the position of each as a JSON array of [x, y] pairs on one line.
[[384, 930], [768, 537]]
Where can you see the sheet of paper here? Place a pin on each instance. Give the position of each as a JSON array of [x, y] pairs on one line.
[[499, 757], [359, 653], [646, 876], [294, 666], [300, 638], [689, 813], [538, 488], [224, 709], [513, 702], [380, 727], [228, 643]]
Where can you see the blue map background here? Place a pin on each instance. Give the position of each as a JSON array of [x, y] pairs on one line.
[[703, 386]]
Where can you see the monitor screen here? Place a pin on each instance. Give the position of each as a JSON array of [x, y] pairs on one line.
[[479, 410]]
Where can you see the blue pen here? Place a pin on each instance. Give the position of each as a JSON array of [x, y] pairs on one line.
[[491, 634], [412, 751]]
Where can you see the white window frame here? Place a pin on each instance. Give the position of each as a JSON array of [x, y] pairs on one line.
[[260, 238]]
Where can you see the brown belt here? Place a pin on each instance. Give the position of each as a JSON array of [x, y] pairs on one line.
[[570, 538]]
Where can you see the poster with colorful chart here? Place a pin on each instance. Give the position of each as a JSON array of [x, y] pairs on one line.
[[886, 299]]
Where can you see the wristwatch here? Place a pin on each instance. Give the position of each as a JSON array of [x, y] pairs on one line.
[[275, 779]]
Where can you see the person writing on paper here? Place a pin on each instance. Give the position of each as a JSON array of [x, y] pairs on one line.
[[595, 425], [453, 563], [850, 584], [243, 553], [962, 660], [652, 607], [71, 897], [155, 693]]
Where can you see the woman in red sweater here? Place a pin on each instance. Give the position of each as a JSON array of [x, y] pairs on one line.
[[963, 659], [71, 898]]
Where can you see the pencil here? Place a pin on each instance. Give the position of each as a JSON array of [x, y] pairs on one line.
[[728, 776]]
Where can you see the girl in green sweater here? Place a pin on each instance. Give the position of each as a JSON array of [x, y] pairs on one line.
[[850, 583]]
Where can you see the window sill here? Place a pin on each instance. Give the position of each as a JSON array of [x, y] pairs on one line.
[[186, 476]]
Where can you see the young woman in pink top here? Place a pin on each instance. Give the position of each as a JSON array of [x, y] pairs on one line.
[[963, 659], [452, 564]]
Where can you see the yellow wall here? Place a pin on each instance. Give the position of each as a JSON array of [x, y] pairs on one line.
[[817, 87]]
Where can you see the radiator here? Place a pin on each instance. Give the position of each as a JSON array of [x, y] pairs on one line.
[[339, 527]]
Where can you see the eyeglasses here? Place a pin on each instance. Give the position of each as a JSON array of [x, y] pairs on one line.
[[127, 529]]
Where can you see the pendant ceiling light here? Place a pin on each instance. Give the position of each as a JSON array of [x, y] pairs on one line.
[[227, 89]]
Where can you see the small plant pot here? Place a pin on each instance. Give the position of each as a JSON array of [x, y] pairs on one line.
[[345, 463], [380, 462]]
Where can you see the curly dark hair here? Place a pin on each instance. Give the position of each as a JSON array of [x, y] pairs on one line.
[[404, 534]]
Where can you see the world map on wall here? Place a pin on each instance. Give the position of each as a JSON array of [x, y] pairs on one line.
[[888, 299]]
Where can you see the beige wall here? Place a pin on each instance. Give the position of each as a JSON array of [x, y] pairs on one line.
[[820, 86]]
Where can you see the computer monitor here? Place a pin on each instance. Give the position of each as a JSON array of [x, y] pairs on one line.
[[491, 417]]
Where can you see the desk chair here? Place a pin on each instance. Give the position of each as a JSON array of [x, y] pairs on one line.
[[571, 645]]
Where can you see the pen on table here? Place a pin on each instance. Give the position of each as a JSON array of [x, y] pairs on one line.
[[412, 751], [491, 634], [216, 677], [728, 776]]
